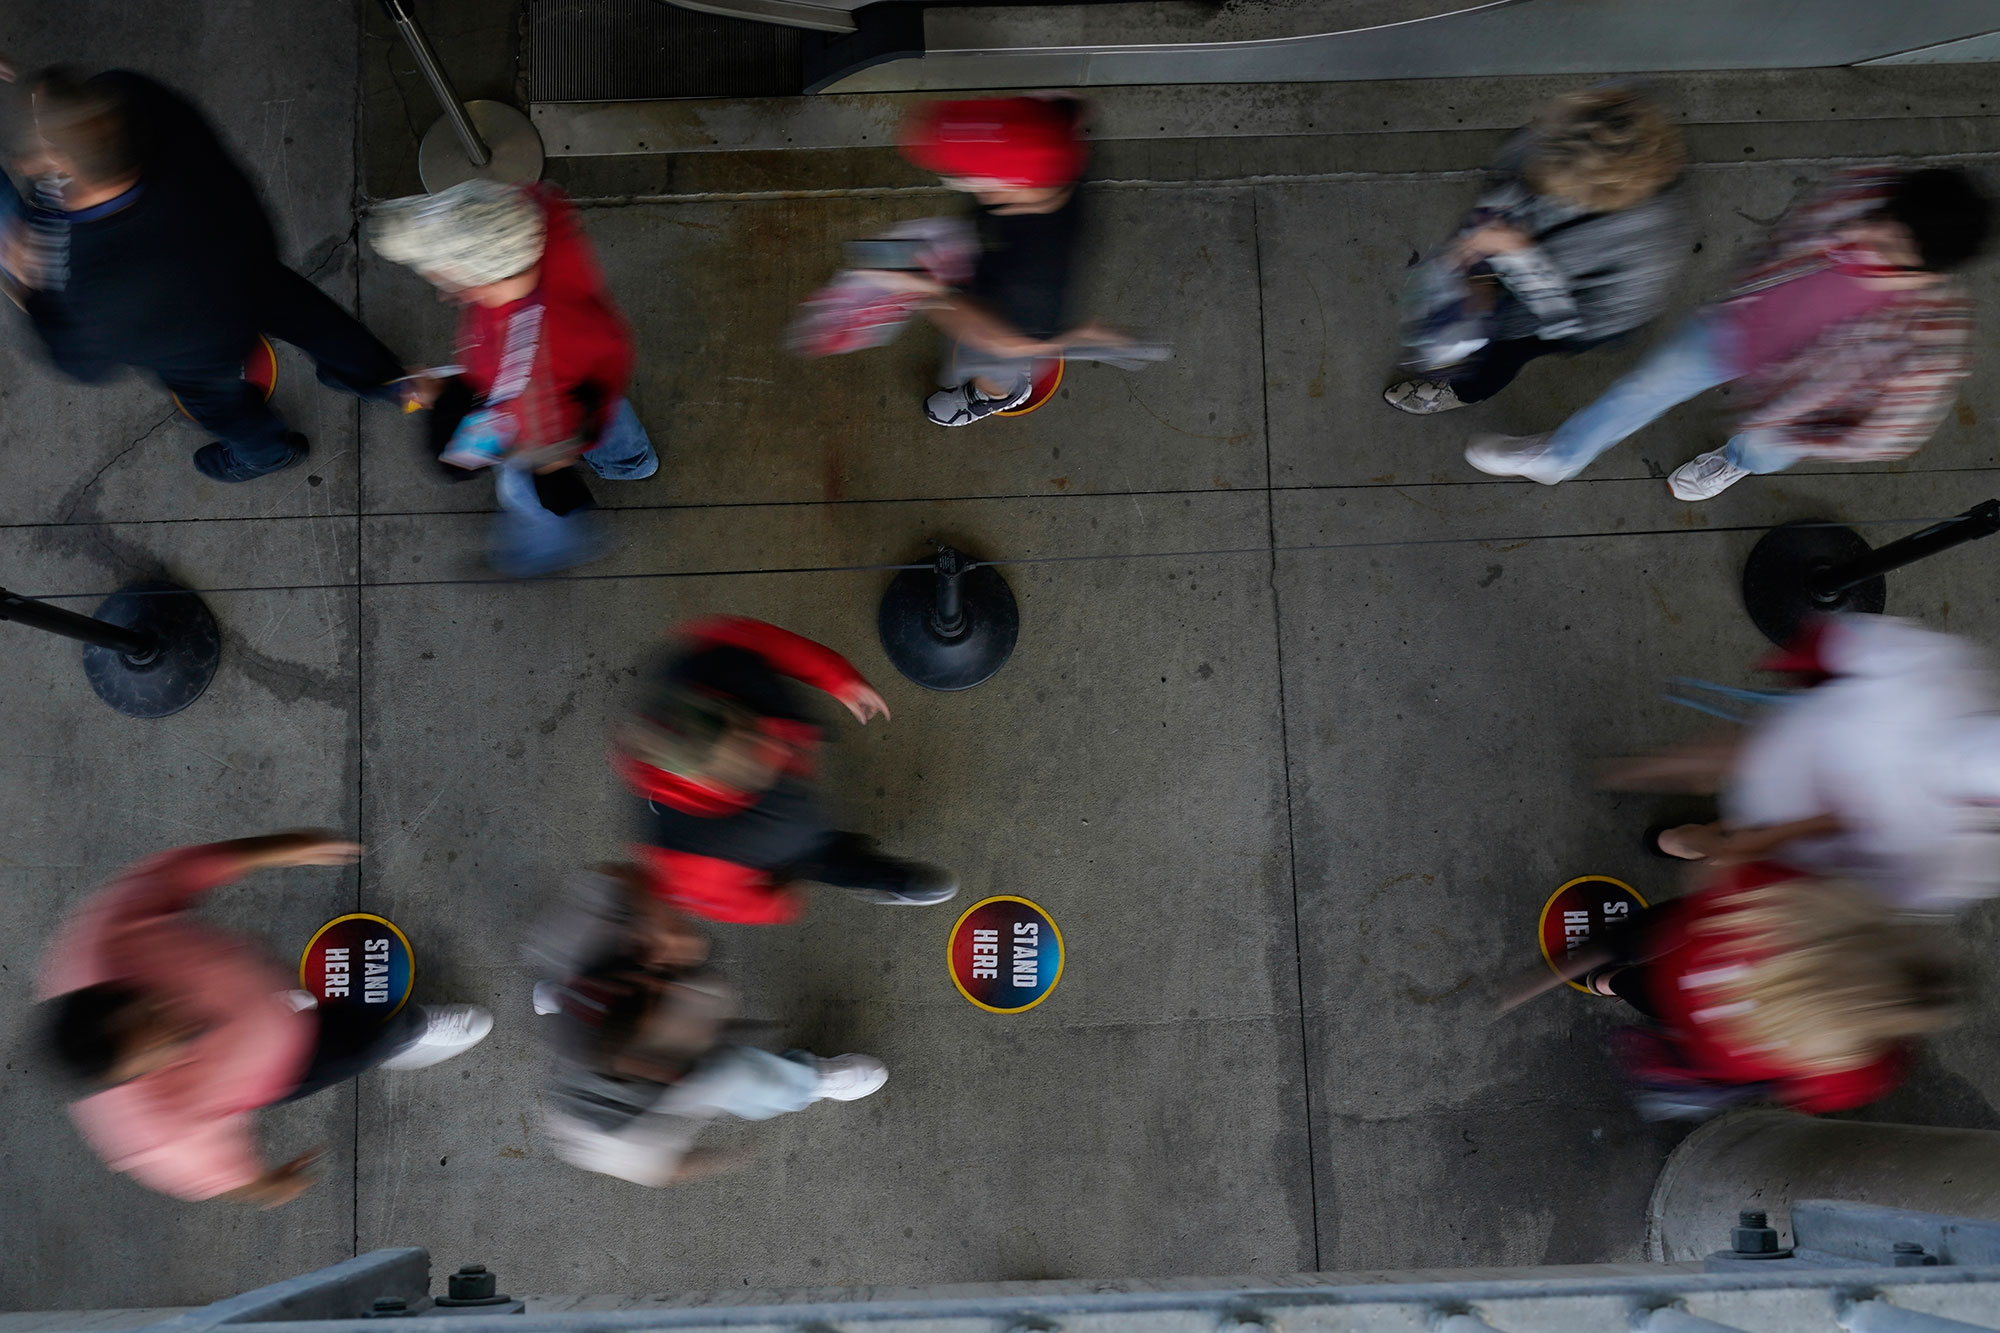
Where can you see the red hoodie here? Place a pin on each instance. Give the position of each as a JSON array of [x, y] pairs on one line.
[[583, 357], [710, 886]]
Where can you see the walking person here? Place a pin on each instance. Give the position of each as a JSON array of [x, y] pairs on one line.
[[720, 750], [1576, 242], [180, 1031], [1021, 159], [643, 1058], [546, 362], [1884, 770], [1848, 335], [146, 246], [1770, 985]]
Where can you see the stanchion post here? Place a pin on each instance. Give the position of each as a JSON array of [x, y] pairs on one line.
[[1813, 567], [495, 141], [151, 651], [951, 624]]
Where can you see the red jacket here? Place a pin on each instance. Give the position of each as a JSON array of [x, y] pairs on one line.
[[1687, 954], [583, 362], [709, 886]]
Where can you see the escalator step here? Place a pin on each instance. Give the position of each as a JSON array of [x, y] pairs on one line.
[[615, 50]]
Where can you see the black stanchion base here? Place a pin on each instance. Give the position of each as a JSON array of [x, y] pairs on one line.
[[175, 676], [1778, 577], [910, 637]]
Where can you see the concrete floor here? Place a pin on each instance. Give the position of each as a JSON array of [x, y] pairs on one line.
[[1294, 802]]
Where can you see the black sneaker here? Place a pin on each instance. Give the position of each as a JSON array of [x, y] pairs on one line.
[[899, 883], [218, 462], [964, 405]]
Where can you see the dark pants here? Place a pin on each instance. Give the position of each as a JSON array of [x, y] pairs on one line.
[[346, 355], [352, 1041], [1494, 366]]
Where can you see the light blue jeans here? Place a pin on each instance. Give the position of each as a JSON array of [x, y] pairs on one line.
[[748, 1083], [1694, 358], [528, 540]]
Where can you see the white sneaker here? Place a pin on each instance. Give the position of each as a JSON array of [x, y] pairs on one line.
[[1422, 398], [849, 1078], [547, 997], [1704, 477], [1516, 456], [449, 1029]]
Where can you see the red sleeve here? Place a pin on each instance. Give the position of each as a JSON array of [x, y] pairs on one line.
[[717, 890], [792, 654], [1818, 1093]]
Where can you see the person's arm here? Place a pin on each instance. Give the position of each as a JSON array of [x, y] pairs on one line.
[[793, 655], [1740, 846], [279, 1185], [969, 321], [1844, 1090]]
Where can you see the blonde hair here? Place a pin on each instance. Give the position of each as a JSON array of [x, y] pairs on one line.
[[1604, 149], [1837, 979]]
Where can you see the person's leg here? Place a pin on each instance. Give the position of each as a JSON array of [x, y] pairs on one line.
[[1688, 362], [346, 354], [1748, 453], [351, 1041], [1758, 452], [624, 452], [544, 524], [1494, 367], [851, 861], [254, 439], [976, 386], [749, 1084]]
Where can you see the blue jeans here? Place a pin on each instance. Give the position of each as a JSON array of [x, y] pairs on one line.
[[749, 1083], [1694, 358], [529, 540]]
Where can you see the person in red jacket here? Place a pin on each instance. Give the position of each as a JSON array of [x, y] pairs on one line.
[[546, 361], [1773, 985], [720, 750]]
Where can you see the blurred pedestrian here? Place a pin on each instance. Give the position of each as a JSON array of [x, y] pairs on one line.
[[643, 1058], [145, 245], [1884, 771], [1575, 242], [547, 361], [1847, 334], [1021, 159], [1768, 985], [720, 751], [180, 1031]]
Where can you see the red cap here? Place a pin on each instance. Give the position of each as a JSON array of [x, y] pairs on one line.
[[1019, 143]]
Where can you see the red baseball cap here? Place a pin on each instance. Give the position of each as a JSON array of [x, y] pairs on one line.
[[1018, 143]]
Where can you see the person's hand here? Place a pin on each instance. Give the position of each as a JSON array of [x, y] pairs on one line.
[[281, 1184], [864, 702], [903, 280], [422, 387], [1495, 238], [301, 847]]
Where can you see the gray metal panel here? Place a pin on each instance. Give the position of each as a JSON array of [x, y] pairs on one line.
[[1868, 1232], [1532, 37], [1986, 46], [341, 1291]]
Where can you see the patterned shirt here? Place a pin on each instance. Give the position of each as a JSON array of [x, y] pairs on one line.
[[1876, 387]]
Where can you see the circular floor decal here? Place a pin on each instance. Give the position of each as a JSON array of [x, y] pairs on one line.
[[362, 960], [1579, 912], [1005, 955]]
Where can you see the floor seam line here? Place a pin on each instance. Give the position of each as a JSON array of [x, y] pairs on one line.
[[1284, 733]]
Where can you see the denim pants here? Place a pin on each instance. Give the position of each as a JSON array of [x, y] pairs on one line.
[[1695, 357], [530, 538]]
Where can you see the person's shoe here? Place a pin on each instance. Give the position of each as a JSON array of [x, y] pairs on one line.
[[901, 883], [1422, 398], [1704, 477], [218, 462], [449, 1029], [1516, 456], [965, 404], [547, 997], [849, 1078]]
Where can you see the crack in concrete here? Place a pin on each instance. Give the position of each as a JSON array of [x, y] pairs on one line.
[[77, 501], [333, 254]]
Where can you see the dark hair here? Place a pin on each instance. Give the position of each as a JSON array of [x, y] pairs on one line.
[[86, 121], [86, 1028], [1945, 214]]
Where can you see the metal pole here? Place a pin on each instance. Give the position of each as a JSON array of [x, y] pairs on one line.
[[447, 96], [949, 617], [1982, 520], [1876, 1315], [135, 646], [1671, 1319]]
